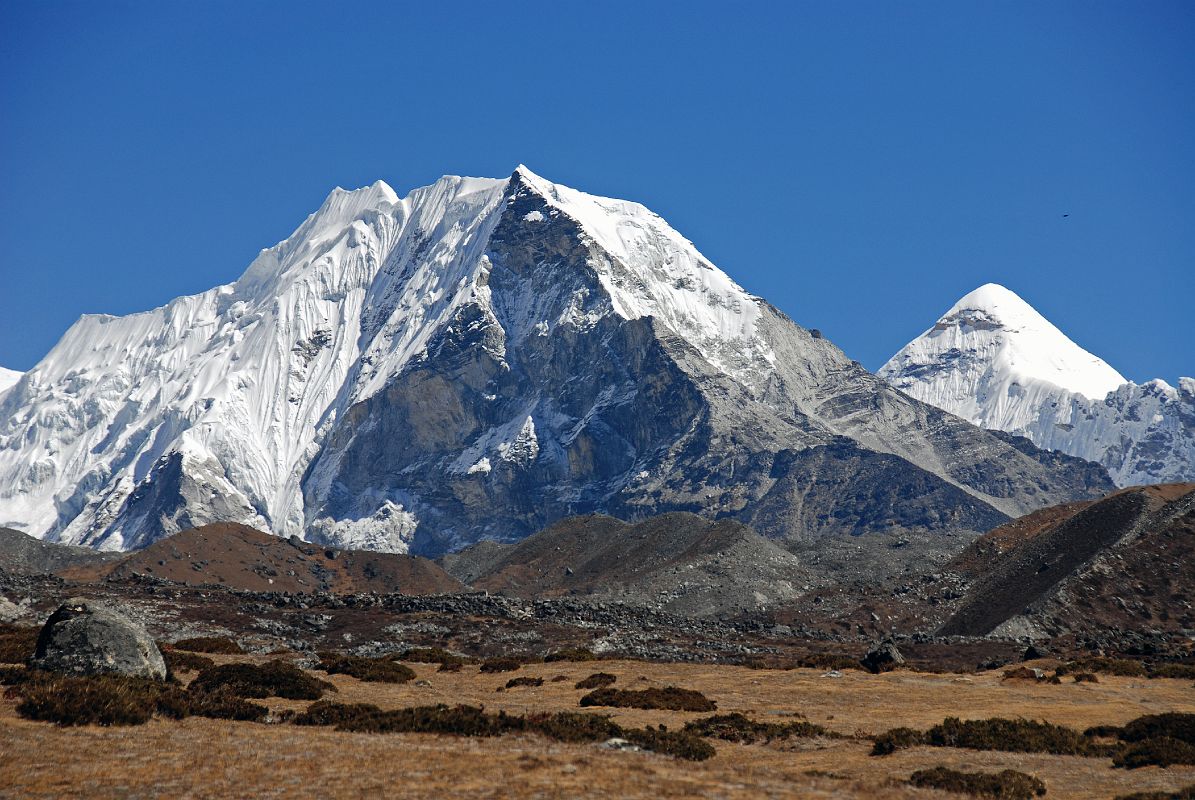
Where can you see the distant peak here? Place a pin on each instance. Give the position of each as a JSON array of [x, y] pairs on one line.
[[999, 303]]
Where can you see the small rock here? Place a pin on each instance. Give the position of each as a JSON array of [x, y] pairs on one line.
[[424, 683], [87, 638], [618, 743], [832, 674]]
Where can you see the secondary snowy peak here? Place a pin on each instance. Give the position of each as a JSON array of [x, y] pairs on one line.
[[8, 378], [995, 361]]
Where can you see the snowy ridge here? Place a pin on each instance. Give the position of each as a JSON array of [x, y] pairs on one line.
[[995, 361], [231, 393], [8, 379]]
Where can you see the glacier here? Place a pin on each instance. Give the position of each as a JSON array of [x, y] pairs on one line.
[[475, 360], [993, 360]]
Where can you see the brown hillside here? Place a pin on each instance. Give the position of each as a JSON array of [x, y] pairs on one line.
[[241, 557]]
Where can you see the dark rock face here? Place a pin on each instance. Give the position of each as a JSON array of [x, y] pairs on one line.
[[85, 638], [883, 657]]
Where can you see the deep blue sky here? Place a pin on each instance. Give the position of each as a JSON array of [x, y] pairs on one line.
[[860, 165]]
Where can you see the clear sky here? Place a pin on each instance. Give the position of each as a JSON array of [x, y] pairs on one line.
[[860, 165]]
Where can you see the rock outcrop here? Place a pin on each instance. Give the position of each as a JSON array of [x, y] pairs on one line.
[[87, 638]]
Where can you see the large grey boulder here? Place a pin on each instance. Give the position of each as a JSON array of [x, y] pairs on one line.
[[87, 638], [883, 657]]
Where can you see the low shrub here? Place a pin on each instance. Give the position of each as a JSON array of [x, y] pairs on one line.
[[1172, 725], [739, 728], [1012, 736], [670, 698], [17, 643], [10, 675], [1007, 785], [890, 741], [450, 666], [678, 744], [597, 680], [571, 654], [1105, 666], [223, 704], [221, 645], [1086, 677], [828, 661], [514, 683], [93, 700], [572, 726], [1181, 671], [272, 679], [456, 721], [491, 665], [324, 712], [1161, 751], [434, 655], [182, 661], [1103, 732], [373, 670]]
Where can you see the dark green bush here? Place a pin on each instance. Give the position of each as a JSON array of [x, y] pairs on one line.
[[1161, 751], [272, 679], [597, 680], [739, 728], [456, 720], [373, 670], [572, 726], [1006, 785], [670, 698], [500, 665], [1006, 735], [209, 644]]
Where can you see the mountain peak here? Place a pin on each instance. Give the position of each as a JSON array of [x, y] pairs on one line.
[[1003, 341]]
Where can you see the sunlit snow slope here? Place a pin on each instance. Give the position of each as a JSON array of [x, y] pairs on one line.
[[995, 361], [8, 378]]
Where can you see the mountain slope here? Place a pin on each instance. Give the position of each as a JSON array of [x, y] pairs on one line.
[[994, 361], [8, 379], [677, 562], [476, 360]]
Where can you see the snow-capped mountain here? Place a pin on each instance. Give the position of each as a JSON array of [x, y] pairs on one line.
[[476, 360], [8, 379], [995, 361]]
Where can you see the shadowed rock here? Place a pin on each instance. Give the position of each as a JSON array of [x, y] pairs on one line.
[[883, 657], [86, 638]]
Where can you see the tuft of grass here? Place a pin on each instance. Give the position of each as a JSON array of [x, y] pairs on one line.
[[597, 680], [1006, 785], [573, 726], [1086, 677], [514, 683], [678, 744], [17, 643], [1161, 751], [272, 679], [373, 670], [1102, 665], [571, 654], [220, 645], [491, 665], [828, 661], [670, 698], [324, 712], [739, 728]]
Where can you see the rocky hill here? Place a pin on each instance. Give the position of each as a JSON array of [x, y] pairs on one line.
[[680, 563]]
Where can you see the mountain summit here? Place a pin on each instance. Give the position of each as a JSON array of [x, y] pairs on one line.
[[475, 361], [995, 361]]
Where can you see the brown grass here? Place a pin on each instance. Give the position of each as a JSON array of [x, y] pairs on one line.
[[208, 644], [201, 757]]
